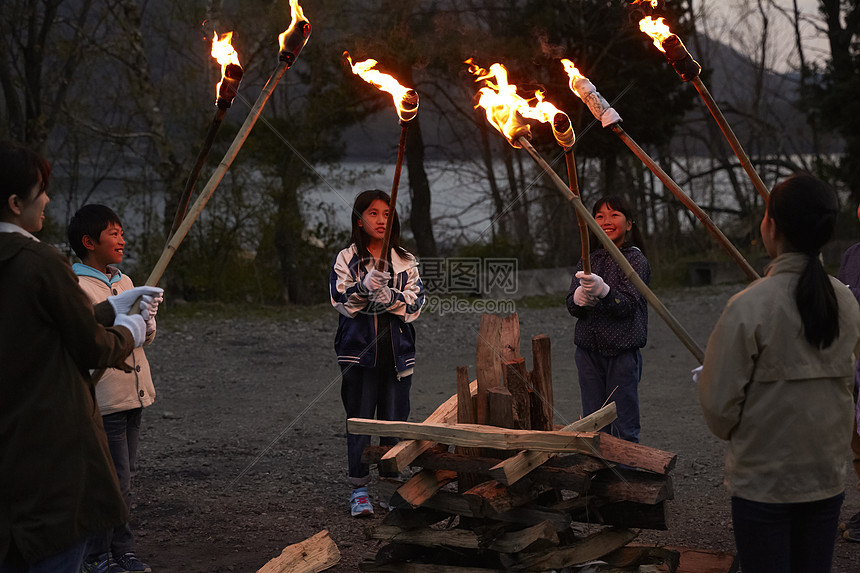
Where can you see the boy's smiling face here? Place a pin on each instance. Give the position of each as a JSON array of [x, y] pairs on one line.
[[108, 250]]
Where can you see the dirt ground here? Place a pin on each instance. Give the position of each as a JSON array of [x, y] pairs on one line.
[[244, 453]]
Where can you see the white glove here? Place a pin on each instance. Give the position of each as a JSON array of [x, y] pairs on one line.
[[135, 324], [581, 298], [695, 372], [382, 296], [150, 324], [375, 279], [593, 284], [123, 302], [149, 308]]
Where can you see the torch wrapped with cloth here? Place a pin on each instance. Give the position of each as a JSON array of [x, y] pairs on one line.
[[686, 67], [290, 43], [406, 104], [505, 111], [608, 117], [226, 90]]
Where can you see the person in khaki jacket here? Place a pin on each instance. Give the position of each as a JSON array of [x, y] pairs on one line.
[[777, 383], [95, 234]]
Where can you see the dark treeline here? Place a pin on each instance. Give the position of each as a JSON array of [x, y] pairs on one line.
[[119, 93]]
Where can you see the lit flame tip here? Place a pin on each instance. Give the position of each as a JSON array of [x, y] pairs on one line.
[[405, 99], [656, 29]]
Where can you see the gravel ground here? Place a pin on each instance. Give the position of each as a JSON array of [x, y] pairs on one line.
[[244, 451]]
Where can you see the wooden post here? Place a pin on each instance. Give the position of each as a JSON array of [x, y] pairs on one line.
[[509, 338], [542, 407], [516, 381], [466, 414], [487, 361]]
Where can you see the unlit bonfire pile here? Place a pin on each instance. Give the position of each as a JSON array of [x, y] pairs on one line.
[[516, 493]]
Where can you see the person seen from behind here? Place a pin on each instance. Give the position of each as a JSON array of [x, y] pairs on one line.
[[777, 384]]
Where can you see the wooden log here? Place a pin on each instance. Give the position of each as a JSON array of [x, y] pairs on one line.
[[421, 487], [516, 381], [624, 514], [509, 338], [515, 468], [418, 518], [406, 567], [542, 405], [591, 548], [574, 477], [614, 449], [487, 361], [492, 497], [479, 436], [466, 414], [530, 514], [316, 553], [401, 454], [619, 484], [509, 542], [636, 555]]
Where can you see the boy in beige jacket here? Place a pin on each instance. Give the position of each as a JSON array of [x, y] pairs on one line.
[[95, 234]]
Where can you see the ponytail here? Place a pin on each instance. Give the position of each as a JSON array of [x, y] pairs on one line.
[[804, 210]]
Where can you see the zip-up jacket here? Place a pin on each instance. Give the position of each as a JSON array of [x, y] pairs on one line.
[[355, 341], [117, 390]]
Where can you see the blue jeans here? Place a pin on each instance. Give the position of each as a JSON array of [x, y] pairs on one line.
[[604, 379], [68, 561], [123, 432], [371, 393], [786, 537]]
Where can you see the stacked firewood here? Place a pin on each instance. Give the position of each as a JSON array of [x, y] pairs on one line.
[[516, 493]]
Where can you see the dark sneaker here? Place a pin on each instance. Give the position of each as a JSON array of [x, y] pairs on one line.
[[129, 563], [359, 503], [99, 565]]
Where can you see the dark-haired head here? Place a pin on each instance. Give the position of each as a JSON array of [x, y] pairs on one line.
[[359, 236], [89, 221], [620, 204], [21, 170], [804, 209]]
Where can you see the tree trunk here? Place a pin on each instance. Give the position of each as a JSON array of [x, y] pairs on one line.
[[419, 189]]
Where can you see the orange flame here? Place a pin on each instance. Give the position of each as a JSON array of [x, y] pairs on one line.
[[405, 99], [654, 3], [297, 16], [225, 55], [501, 102], [656, 29], [573, 73]]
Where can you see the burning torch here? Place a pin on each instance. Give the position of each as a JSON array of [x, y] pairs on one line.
[[231, 77], [504, 108], [291, 43], [686, 67], [600, 108], [406, 104]]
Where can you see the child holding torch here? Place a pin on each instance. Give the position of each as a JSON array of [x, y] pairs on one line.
[[57, 482], [95, 234], [613, 320], [777, 384], [375, 340]]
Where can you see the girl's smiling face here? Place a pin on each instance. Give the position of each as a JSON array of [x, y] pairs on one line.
[[614, 223], [373, 219]]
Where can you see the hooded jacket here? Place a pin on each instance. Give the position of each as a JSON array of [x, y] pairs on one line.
[[118, 390], [355, 341], [57, 480]]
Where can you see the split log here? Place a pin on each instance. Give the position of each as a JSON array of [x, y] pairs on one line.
[[619, 484], [317, 553], [575, 477], [529, 514], [542, 405], [467, 413], [635, 556], [405, 567], [591, 548], [500, 409], [509, 542], [492, 497], [487, 362], [509, 338], [614, 449], [513, 469], [516, 381], [418, 518], [421, 487], [624, 514], [480, 436], [401, 454]]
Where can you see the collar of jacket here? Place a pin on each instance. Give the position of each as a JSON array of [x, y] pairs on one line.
[[83, 270]]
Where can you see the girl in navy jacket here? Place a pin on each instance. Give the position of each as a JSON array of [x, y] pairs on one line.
[[375, 340]]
